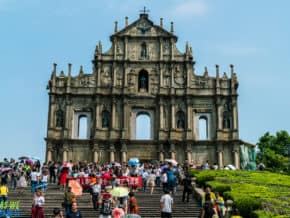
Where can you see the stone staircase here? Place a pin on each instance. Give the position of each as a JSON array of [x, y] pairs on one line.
[[148, 204]]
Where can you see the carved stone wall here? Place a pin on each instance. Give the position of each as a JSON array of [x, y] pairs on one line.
[[171, 93]]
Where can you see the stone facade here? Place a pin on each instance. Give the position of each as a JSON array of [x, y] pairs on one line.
[[143, 73]]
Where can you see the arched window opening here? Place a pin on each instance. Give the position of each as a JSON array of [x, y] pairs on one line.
[[180, 120], [143, 126], [143, 50], [203, 128], [105, 119], [143, 81], [83, 127]]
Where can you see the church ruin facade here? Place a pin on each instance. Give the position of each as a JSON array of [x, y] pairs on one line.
[[191, 117]]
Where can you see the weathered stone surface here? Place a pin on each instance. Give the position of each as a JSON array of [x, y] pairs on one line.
[[143, 73]]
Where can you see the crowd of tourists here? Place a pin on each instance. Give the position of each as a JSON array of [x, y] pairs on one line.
[[102, 182]]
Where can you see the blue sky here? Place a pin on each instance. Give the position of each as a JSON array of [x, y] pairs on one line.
[[252, 35]]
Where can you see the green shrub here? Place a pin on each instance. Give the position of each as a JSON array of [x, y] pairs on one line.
[[247, 204], [218, 186]]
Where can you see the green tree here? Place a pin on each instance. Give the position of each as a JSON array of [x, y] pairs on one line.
[[274, 151]]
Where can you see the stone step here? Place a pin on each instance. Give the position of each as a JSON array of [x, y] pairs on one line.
[[148, 204]]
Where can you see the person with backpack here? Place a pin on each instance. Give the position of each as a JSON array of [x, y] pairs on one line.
[[95, 191], [106, 204]]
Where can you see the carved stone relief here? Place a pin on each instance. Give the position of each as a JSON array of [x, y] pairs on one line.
[[87, 81], [106, 77], [131, 80], [119, 76], [154, 78], [200, 82], [179, 77], [132, 52], [166, 47]]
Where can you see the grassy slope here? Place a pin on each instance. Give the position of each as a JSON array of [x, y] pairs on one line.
[[268, 194]]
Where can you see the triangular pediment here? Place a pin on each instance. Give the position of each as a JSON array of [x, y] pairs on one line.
[[144, 27]]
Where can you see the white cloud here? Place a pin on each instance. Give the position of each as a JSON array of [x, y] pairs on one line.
[[190, 8]]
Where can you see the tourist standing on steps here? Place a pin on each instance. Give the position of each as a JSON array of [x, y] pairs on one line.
[[3, 191], [75, 213], [38, 203], [187, 188], [166, 203], [95, 191], [69, 198], [57, 213], [133, 207]]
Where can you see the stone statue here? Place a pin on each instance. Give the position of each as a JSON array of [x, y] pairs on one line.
[[105, 119], [59, 118], [143, 82], [180, 121]]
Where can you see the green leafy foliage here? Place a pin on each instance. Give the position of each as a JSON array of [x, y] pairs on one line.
[[264, 192], [275, 151]]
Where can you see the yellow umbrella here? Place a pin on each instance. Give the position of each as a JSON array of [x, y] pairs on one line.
[[119, 192]]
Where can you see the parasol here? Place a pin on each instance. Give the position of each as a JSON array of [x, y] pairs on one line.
[[172, 161], [133, 161], [119, 192]]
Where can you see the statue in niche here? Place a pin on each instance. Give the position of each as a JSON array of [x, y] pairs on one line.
[[227, 116], [143, 51], [105, 119], [59, 118], [143, 81], [180, 120]]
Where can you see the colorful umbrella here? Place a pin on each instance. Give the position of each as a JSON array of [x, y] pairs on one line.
[[172, 161], [133, 161], [4, 169], [23, 158], [119, 192]]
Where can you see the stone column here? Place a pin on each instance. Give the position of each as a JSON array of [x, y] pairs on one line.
[[236, 158], [161, 153], [126, 119], [172, 151], [112, 153], [220, 157], [219, 116], [52, 116], [235, 114], [65, 153], [96, 153], [189, 118], [113, 113], [161, 115], [126, 48], [98, 118], [189, 153], [49, 153], [124, 152], [173, 115]]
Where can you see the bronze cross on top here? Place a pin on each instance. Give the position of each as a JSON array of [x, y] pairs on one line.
[[144, 10]]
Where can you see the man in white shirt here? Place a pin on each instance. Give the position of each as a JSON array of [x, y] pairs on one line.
[[166, 203]]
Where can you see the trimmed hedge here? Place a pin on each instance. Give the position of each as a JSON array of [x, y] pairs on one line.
[[256, 194]]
